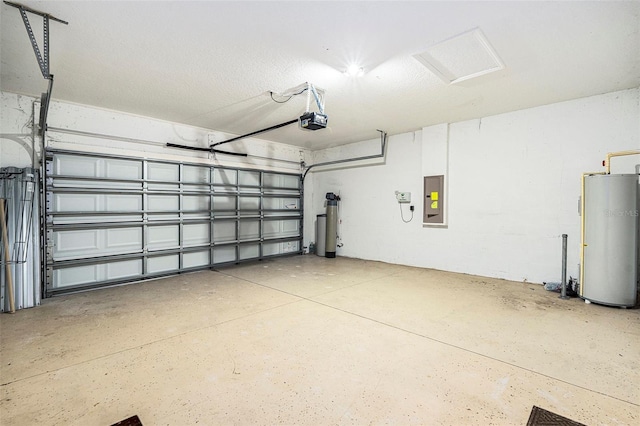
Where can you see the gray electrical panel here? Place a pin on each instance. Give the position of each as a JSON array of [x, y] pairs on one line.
[[433, 200]]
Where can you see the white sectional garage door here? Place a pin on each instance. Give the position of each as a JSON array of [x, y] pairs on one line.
[[111, 220]]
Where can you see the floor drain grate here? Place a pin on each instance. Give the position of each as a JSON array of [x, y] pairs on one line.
[[131, 421], [541, 417]]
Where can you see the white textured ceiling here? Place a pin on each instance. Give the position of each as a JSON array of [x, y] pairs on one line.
[[211, 63]]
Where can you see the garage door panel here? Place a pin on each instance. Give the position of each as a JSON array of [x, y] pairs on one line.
[[75, 244], [73, 165], [225, 177], [163, 264], [75, 202], [277, 203], [290, 227], [195, 259], [122, 202], [106, 168], [271, 249], [274, 249], [123, 240], [281, 181], [96, 184], [224, 202], [224, 231], [249, 203], [249, 230], [92, 274], [66, 277], [272, 228], [195, 202], [97, 219], [118, 270], [196, 174], [163, 172], [281, 228], [123, 169], [251, 251], [161, 203], [196, 234], [113, 219], [78, 244], [163, 237], [224, 254], [248, 178]]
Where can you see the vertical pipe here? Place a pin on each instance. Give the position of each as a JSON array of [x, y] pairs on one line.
[[5, 238], [308, 97], [563, 293], [44, 279], [607, 162], [582, 220], [321, 235], [332, 224], [332, 228]]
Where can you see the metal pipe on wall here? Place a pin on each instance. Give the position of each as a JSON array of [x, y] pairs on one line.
[[563, 291], [383, 145], [607, 162]]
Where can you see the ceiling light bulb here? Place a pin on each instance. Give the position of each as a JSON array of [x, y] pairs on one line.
[[354, 71]]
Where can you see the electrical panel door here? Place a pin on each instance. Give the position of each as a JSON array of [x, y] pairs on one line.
[[433, 200]]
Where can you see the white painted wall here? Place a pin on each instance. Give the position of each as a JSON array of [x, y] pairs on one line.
[[15, 121], [513, 179], [514, 182], [16, 141]]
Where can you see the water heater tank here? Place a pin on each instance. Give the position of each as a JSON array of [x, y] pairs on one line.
[[610, 271]]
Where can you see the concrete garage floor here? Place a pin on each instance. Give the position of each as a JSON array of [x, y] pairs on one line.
[[308, 340]]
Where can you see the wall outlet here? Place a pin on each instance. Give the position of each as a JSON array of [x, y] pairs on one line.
[[403, 197]]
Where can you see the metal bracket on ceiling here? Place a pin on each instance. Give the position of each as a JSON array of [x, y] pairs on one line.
[[42, 58]]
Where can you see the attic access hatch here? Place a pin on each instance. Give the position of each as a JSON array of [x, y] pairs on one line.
[[462, 57]]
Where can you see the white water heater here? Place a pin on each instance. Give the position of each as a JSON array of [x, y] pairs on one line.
[[611, 226]]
